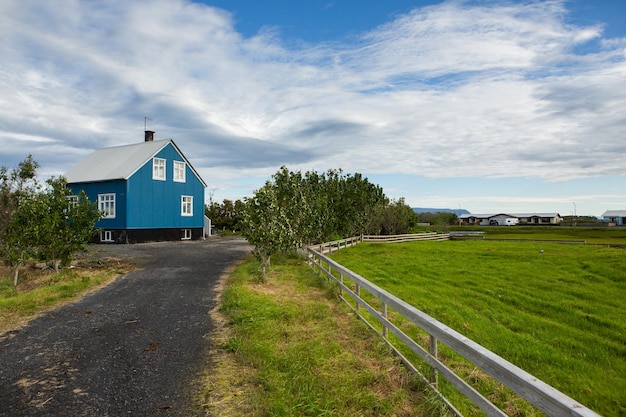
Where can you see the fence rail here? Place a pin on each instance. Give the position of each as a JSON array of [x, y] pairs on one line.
[[535, 391]]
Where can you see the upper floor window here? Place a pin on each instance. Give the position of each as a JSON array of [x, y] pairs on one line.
[[106, 204], [158, 169], [179, 171], [186, 208]]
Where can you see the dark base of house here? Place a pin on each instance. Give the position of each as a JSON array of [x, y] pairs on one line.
[[147, 235]]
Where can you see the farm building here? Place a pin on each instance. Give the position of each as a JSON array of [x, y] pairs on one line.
[[147, 191], [504, 219], [617, 217]]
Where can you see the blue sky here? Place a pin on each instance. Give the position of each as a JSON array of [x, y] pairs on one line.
[[491, 106]]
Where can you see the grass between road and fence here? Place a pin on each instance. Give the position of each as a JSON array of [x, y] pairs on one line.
[[288, 347], [556, 311]]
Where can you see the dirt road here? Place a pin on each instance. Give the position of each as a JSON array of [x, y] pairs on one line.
[[131, 349]]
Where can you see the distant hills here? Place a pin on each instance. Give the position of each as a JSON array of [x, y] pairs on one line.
[[458, 212]]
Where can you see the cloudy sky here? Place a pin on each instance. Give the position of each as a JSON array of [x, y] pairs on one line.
[[491, 106]]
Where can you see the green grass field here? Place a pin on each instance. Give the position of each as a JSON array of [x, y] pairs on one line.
[[591, 235], [559, 314]]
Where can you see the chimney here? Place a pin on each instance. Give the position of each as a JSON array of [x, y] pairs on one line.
[[149, 135]]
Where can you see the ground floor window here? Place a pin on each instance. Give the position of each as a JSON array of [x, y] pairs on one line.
[[186, 234], [106, 236], [106, 204]]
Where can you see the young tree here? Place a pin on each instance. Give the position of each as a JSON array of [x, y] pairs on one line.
[[18, 205], [266, 226], [66, 223], [39, 221]]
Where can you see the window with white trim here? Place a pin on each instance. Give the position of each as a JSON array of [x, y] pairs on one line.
[[186, 234], [158, 169], [179, 171], [106, 204], [186, 207], [72, 201], [106, 236]]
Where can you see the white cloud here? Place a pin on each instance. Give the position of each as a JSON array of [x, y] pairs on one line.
[[447, 90]]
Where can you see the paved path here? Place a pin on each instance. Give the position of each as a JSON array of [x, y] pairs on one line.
[[130, 349]]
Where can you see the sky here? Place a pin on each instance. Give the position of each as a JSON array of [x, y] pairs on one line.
[[491, 106]]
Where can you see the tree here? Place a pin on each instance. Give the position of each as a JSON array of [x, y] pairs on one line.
[[358, 206], [66, 223], [45, 222], [398, 218], [18, 205], [266, 227]]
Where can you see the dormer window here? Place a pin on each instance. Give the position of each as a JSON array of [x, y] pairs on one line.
[[179, 171], [158, 169]]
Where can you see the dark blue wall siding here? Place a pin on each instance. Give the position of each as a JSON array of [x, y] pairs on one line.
[[157, 204], [117, 187]]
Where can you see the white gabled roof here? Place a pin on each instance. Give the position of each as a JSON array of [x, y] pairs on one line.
[[119, 162], [614, 213]]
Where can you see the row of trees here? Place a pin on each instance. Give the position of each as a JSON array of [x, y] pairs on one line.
[[294, 210], [438, 218], [43, 221], [226, 216]]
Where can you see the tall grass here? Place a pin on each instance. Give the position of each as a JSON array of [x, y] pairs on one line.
[[556, 311]]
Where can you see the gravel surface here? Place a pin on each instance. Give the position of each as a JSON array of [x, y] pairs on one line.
[[133, 348]]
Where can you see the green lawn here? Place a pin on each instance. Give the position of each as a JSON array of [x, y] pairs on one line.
[[559, 314], [591, 235]]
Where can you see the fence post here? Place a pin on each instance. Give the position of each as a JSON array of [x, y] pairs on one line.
[[341, 281], [358, 293], [384, 312], [433, 350]]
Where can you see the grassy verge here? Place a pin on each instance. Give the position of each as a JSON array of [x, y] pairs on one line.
[[291, 348], [41, 290], [556, 311]]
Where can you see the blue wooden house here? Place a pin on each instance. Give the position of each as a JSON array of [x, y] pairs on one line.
[[147, 191]]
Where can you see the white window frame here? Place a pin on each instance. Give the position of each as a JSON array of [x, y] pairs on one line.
[[106, 236], [159, 169], [106, 205], [186, 234], [186, 205], [180, 168], [72, 201]]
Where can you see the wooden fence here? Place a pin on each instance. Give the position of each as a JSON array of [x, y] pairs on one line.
[[536, 392], [406, 237]]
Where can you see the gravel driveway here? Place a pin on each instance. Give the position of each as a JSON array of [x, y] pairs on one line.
[[132, 348]]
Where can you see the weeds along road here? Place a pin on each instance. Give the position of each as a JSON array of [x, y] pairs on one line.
[[132, 348]]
